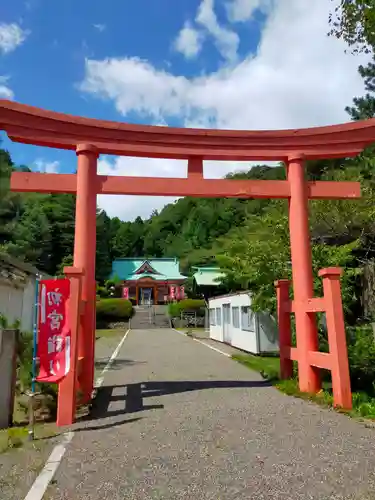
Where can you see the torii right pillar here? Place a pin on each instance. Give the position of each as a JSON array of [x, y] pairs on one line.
[[84, 258], [303, 283]]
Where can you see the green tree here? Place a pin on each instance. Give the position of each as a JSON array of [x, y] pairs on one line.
[[9, 202], [60, 212], [258, 254], [364, 107], [129, 240], [32, 239], [103, 246], [67, 261], [6, 165], [354, 22]]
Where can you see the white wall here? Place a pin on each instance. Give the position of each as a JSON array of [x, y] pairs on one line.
[[268, 333], [28, 306], [256, 334], [18, 303]]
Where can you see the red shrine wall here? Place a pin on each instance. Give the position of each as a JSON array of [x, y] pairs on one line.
[[159, 290]]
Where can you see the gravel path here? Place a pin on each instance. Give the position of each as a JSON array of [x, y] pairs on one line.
[[104, 348], [177, 420], [20, 467]]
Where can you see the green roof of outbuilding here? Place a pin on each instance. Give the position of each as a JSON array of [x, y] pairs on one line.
[[208, 276], [165, 269]]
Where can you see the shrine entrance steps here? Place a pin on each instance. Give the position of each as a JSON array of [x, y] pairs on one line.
[[149, 317], [175, 420]]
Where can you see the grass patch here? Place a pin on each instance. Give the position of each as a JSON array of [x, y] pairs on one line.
[[290, 387], [17, 436], [108, 333], [194, 329], [269, 368]]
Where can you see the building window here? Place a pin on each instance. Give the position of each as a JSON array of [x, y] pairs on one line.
[[247, 319], [212, 317], [218, 316], [236, 317]]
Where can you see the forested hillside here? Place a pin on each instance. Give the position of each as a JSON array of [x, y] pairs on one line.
[[40, 227], [247, 238]]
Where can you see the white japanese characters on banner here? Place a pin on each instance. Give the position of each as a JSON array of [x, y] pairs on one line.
[[54, 334]]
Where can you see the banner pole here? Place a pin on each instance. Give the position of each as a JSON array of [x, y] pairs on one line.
[[33, 375], [35, 334]]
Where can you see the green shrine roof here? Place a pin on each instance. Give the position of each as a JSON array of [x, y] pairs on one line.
[[158, 269], [207, 276]]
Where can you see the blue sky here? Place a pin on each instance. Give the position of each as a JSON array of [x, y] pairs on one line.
[[222, 63], [45, 70]]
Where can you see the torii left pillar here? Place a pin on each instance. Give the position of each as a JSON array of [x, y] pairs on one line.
[[84, 258]]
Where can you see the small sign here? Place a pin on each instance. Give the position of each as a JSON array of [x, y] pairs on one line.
[[54, 333], [125, 292]]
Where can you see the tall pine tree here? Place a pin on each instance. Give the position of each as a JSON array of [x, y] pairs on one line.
[[364, 107], [32, 240]]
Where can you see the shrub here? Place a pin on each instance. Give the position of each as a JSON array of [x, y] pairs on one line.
[[3, 321], [102, 292], [24, 360], [113, 309], [361, 353], [174, 310], [191, 304], [186, 305], [16, 436]]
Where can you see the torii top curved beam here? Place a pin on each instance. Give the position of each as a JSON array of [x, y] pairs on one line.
[[31, 125]]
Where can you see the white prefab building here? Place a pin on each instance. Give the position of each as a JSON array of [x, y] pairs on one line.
[[233, 322], [17, 291]]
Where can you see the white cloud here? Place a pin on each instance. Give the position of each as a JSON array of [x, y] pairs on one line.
[[11, 36], [298, 78], [243, 10], [189, 41], [129, 207], [226, 41], [5, 91], [46, 167], [100, 27], [288, 83]]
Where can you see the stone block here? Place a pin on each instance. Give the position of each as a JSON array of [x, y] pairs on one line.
[[8, 363]]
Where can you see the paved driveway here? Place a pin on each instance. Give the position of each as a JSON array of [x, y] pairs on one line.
[[177, 420]]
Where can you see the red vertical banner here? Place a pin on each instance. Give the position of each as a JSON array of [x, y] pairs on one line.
[[182, 292], [54, 333], [172, 293], [125, 292], [177, 293]]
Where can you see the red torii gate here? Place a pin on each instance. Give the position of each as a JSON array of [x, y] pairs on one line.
[[90, 137]]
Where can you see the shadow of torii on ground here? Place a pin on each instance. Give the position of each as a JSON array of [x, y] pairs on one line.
[[133, 394], [116, 364]]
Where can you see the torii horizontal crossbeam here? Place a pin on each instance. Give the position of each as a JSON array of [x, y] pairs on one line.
[[197, 187], [30, 125]]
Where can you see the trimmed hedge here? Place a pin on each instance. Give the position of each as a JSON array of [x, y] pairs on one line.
[[192, 305], [113, 309]]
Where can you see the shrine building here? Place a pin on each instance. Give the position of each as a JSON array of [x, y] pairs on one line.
[[149, 281], [207, 281]]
